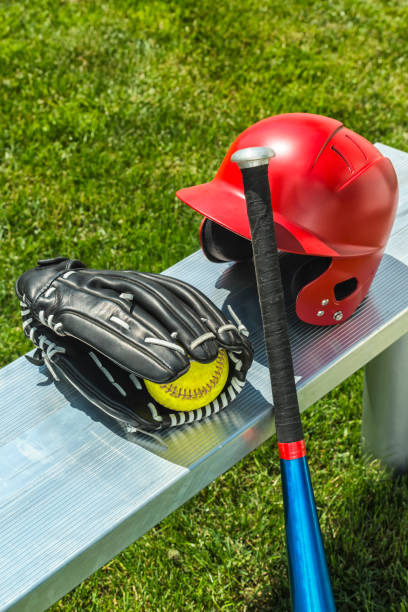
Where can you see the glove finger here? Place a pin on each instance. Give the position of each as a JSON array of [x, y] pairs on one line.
[[226, 332], [124, 340], [148, 297]]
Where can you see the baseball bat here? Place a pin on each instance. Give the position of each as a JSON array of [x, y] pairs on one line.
[[309, 577]]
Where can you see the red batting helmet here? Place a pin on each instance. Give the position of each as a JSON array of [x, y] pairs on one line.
[[334, 198]]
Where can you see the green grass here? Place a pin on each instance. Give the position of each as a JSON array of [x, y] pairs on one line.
[[106, 109]]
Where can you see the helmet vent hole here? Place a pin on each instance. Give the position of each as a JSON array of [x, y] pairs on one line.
[[343, 157], [345, 288]]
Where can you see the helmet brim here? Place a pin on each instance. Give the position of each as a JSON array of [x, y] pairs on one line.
[[218, 202]]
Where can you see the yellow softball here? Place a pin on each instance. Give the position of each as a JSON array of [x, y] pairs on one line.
[[196, 388]]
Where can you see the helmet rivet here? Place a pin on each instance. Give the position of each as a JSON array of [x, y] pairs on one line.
[[338, 315], [325, 302], [320, 313]]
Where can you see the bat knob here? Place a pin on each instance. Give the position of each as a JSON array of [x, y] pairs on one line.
[[252, 156]]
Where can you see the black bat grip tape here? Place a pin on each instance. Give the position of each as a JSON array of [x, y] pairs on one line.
[[271, 299]]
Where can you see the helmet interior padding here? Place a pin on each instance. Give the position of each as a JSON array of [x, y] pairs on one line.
[[220, 244]]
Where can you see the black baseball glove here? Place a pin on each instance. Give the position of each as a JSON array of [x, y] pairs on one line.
[[106, 331]]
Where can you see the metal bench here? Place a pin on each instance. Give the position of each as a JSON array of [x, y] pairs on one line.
[[76, 488]]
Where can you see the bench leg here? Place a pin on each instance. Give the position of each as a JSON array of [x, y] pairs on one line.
[[385, 407]]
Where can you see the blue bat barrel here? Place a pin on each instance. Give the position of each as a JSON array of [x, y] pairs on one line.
[[309, 577]]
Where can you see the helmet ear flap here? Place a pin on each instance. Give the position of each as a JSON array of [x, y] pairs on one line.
[[220, 244]]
